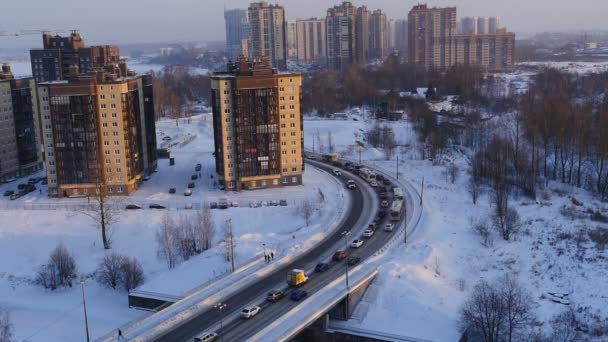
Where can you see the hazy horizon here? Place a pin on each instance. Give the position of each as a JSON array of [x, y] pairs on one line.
[[154, 21]]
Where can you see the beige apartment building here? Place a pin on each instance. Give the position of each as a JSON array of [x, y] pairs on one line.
[[491, 52], [258, 126], [98, 130], [311, 40], [268, 33]]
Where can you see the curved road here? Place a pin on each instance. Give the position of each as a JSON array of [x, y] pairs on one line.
[[363, 208]]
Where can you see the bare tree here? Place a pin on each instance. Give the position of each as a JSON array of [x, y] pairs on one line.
[[105, 210], [187, 235], [229, 242], [330, 142], [132, 274], [167, 241], [452, 171], [6, 326], [517, 302], [484, 312], [564, 326], [481, 228], [506, 219], [59, 271], [109, 272], [306, 209], [474, 189], [205, 227]]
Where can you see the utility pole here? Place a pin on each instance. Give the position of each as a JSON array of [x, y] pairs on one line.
[[421, 190], [346, 233], [84, 304], [313, 143], [360, 148], [221, 306], [397, 166], [231, 236], [405, 226]]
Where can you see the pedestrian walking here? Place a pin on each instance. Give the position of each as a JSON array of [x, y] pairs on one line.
[[120, 337], [265, 258], [40, 191], [272, 255]]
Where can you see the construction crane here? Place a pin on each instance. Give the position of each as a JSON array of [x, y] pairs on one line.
[[28, 33]]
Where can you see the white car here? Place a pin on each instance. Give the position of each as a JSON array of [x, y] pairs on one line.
[[351, 186], [253, 204], [337, 172], [188, 206], [250, 312], [367, 233], [234, 204], [374, 184], [188, 192], [389, 227], [384, 204], [356, 243], [206, 337]]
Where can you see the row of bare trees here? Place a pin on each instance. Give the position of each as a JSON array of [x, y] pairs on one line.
[[383, 137], [177, 86], [6, 326], [182, 237]]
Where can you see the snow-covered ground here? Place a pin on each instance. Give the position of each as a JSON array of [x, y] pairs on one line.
[[421, 286], [27, 237]]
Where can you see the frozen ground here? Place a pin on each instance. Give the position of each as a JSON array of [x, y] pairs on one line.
[[28, 235], [421, 285]]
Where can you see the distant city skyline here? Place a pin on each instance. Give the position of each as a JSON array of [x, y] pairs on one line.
[[149, 21]]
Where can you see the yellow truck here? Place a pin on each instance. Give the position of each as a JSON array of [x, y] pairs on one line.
[[297, 278]]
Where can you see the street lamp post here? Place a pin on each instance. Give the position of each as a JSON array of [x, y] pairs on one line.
[[221, 306], [84, 304], [346, 233]]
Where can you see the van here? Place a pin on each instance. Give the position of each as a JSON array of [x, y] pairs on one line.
[[206, 337], [297, 278]]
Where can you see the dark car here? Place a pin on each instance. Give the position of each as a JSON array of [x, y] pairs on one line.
[[275, 295], [198, 167], [44, 182], [340, 255], [274, 203], [379, 177], [21, 186], [321, 267], [172, 190], [157, 206], [29, 188], [382, 214], [384, 195], [8, 192], [194, 177], [283, 203], [353, 260], [191, 185], [298, 294], [15, 196], [386, 181], [213, 205], [133, 206]]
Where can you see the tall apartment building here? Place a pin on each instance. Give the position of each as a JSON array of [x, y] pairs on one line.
[[362, 35], [268, 33], [391, 32], [237, 32], [311, 40], [430, 36], [98, 129], [53, 61], [292, 45], [494, 25], [468, 25], [257, 125], [401, 36], [490, 52], [341, 35], [19, 126], [483, 25], [378, 43]]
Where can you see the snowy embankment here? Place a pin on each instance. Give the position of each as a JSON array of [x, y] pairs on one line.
[[421, 285], [28, 236]]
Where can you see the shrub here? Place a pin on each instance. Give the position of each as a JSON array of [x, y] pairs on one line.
[[117, 271], [60, 271]]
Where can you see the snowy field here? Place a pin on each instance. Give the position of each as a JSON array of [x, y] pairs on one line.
[[27, 237], [421, 285]]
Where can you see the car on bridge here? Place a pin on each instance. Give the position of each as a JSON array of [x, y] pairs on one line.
[[389, 227], [353, 260], [206, 337], [321, 267], [356, 243], [340, 255], [275, 296], [298, 294], [337, 172], [250, 312], [350, 184], [368, 233]]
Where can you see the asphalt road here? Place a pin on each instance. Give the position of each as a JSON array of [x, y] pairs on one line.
[[362, 210]]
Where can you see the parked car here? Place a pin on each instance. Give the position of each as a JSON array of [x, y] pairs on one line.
[[353, 260], [223, 204], [198, 167], [188, 206], [33, 181], [250, 312], [274, 203], [274, 296], [188, 192], [340, 255], [15, 196], [206, 337], [213, 205], [264, 203], [166, 138], [133, 206], [321, 267], [157, 206], [356, 243], [283, 203], [389, 227], [337, 172], [253, 204], [368, 233], [44, 181], [191, 185], [194, 177], [172, 190], [296, 295], [234, 204], [8, 193], [384, 204], [146, 178], [21, 186]]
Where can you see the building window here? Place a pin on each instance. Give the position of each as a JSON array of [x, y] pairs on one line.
[[119, 189]]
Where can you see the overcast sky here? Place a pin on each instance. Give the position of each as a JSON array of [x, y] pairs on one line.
[[133, 21]]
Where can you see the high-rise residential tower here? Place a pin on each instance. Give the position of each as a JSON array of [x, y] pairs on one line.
[[468, 25], [268, 33], [483, 25], [377, 35], [292, 45], [257, 126], [98, 130], [53, 61], [494, 25], [391, 32], [341, 35], [401, 36], [237, 32], [430, 36], [311, 40]]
